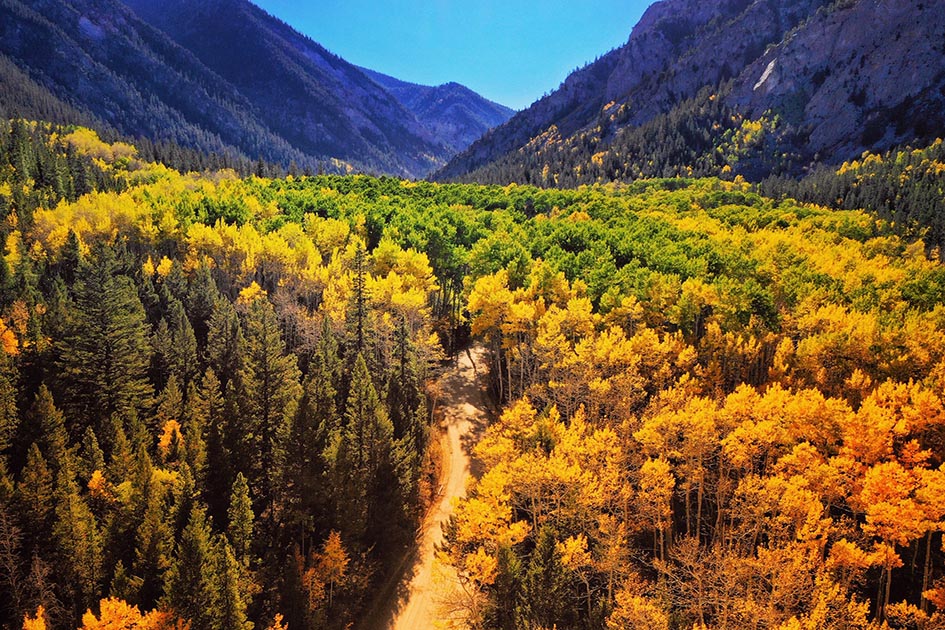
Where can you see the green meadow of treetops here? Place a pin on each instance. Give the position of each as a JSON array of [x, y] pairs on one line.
[[721, 410]]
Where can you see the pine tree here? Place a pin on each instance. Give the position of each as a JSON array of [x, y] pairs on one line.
[[507, 594], [104, 357], [269, 393], [224, 342], [201, 297], [124, 586], [35, 498], [314, 423], [360, 454], [70, 257], [229, 597], [78, 543], [195, 437], [91, 457], [122, 461], [175, 346], [209, 412], [170, 406], [153, 547], [9, 420], [240, 520], [187, 585], [545, 593], [53, 437], [358, 314]]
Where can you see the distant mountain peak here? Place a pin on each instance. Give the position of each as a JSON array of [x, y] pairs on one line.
[[219, 76], [454, 112]]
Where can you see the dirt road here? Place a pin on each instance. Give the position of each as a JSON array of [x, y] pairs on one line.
[[464, 416]]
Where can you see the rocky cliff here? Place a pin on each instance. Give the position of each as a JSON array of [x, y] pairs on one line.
[[829, 80]]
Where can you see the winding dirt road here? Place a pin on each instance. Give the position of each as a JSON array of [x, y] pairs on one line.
[[464, 416]]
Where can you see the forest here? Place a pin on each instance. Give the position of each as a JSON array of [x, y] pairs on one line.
[[720, 409]]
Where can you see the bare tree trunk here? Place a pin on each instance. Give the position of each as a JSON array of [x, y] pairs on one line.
[[926, 572]]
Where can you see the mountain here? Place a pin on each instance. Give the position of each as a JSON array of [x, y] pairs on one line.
[[764, 86], [219, 76], [456, 115], [318, 102]]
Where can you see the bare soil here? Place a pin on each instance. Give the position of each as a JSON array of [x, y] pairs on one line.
[[464, 415]]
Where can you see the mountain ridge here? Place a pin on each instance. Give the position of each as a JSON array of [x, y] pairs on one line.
[[681, 48], [455, 112], [218, 76]]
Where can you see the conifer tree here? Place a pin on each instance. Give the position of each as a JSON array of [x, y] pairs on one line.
[[91, 457], [195, 437], [35, 498], [104, 357], [170, 406], [224, 342], [361, 451], [70, 257], [545, 590], [208, 412], [154, 546], [9, 419], [53, 437], [358, 313], [228, 591], [240, 520], [175, 346], [78, 543], [122, 460], [314, 423], [269, 393], [188, 587]]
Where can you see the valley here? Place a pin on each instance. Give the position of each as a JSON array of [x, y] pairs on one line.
[[288, 343]]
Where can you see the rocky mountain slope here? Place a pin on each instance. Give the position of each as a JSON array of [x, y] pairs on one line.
[[457, 115], [823, 80], [219, 76]]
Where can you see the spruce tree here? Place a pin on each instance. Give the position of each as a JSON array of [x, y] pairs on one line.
[[9, 419], [229, 596], [208, 412], [103, 359], [224, 342], [175, 346], [78, 543], [91, 457], [153, 547], [269, 392], [240, 520], [53, 437], [314, 423], [195, 437], [35, 499], [187, 586], [545, 592], [361, 456]]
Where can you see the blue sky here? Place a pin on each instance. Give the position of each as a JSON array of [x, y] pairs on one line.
[[511, 51]]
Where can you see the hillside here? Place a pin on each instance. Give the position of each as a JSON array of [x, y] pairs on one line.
[[223, 77], [760, 87]]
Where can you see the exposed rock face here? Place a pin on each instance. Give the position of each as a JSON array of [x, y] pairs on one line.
[[845, 75], [867, 75]]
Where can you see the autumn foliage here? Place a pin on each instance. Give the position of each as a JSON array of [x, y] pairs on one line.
[[717, 410]]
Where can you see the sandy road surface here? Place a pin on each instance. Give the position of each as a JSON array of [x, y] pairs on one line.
[[464, 416]]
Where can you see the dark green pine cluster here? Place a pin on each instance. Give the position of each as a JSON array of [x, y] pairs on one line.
[[175, 442]]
